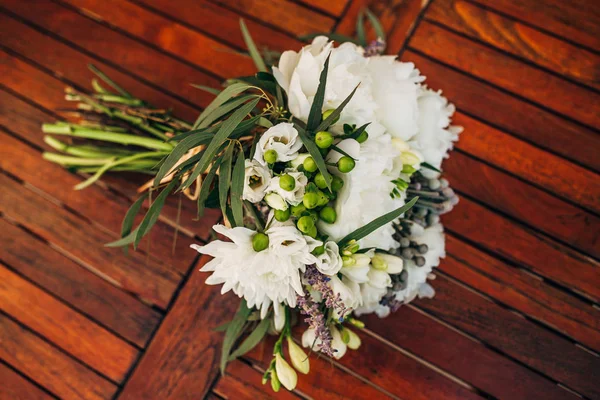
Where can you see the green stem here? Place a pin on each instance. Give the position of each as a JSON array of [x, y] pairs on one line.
[[113, 98], [82, 151], [139, 123], [74, 161]]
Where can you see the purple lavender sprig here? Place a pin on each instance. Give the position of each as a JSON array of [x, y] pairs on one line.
[[316, 320], [375, 48], [319, 282]]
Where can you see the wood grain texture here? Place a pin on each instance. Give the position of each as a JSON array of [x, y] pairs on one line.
[[332, 7], [14, 386], [519, 39], [52, 369], [511, 74], [64, 327], [186, 345]]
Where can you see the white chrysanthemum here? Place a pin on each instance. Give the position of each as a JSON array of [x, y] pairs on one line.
[[417, 285], [271, 275], [283, 138], [256, 181], [294, 197], [435, 135]]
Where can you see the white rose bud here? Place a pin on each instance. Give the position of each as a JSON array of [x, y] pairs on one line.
[[256, 181], [286, 374], [276, 202], [298, 357], [283, 139]]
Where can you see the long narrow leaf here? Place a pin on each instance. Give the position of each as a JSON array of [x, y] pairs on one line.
[[254, 53], [252, 340], [233, 332], [179, 151], [237, 187], [109, 81], [377, 223], [336, 113], [227, 93], [127, 224], [224, 109], [360, 29], [225, 177], [153, 212], [312, 148], [375, 24], [206, 183], [314, 116]]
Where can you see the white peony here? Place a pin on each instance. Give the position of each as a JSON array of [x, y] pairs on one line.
[[283, 138], [373, 291], [256, 181], [294, 197], [330, 262], [271, 275]]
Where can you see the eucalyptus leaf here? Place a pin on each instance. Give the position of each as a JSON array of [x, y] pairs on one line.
[[237, 188], [254, 53], [234, 329], [312, 148], [227, 93], [360, 29], [316, 109], [153, 212], [127, 224], [376, 223], [225, 108], [336, 113], [429, 166], [179, 151], [225, 177], [208, 89], [375, 24], [252, 340], [205, 188]]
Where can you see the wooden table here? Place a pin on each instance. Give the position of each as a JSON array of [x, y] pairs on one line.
[[516, 314]]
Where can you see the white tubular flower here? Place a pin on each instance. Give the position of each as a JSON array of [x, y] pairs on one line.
[[356, 266], [354, 341], [279, 316], [256, 181], [298, 357], [265, 277], [286, 374], [283, 139], [387, 263], [330, 262], [338, 344], [276, 202], [373, 291], [293, 197]]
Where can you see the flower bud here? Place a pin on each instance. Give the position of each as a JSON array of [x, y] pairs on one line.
[[354, 341], [357, 323], [327, 113], [400, 144], [287, 182], [310, 200], [296, 162], [409, 158], [298, 357], [320, 181], [275, 383], [305, 224], [348, 261], [270, 156], [345, 164], [309, 164], [282, 215], [328, 215], [286, 374], [337, 183], [323, 139], [313, 232], [260, 241], [351, 248], [323, 199], [362, 137], [276, 202], [379, 263]]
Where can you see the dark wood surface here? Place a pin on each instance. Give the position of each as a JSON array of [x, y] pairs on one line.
[[516, 314]]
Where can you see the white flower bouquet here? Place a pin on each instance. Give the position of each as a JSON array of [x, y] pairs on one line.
[[326, 167]]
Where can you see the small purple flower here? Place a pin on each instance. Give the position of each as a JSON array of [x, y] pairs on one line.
[[375, 48], [316, 320], [319, 282]]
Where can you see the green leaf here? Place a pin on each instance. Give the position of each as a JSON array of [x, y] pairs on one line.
[[227, 93], [234, 329], [316, 110], [208, 89], [225, 177], [265, 76], [358, 132], [224, 109], [220, 137], [109, 81], [153, 212], [252, 340], [360, 29], [429, 166], [222, 327], [375, 24], [266, 85], [312, 148], [333, 36], [336, 113], [342, 152], [205, 188], [377, 223], [237, 188], [179, 151], [254, 53], [127, 224]]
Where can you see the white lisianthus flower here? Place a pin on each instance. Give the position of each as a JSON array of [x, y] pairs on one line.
[[417, 285], [283, 138], [269, 276], [330, 262], [293, 197], [256, 181], [435, 135]]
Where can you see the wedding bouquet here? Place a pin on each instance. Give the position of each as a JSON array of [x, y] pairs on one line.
[[326, 167]]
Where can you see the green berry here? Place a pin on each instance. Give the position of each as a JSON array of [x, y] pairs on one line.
[[327, 113], [362, 137], [337, 183], [310, 200], [323, 199], [323, 139], [287, 182], [260, 241], [309, 164], [270, 156], [328, 215], [313, 232], [320, 181], [305, 224], [282, 215], [298, 210], [319, 250], [345, 164]]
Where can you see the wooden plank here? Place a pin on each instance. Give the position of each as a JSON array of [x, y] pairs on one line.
[[220, 22], [502, 110], [515, 336], [526, 293], [331, 7], [49, 367], [481, 61], [290, 17], [157, 31], [538, 209], [64, 327], [83, 290], [32, 44], [186, 345], [84, 242], [524, 247], [242, 382], [578, 21], [456, 354], [15, 387], [518, 39], [116, 49]]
